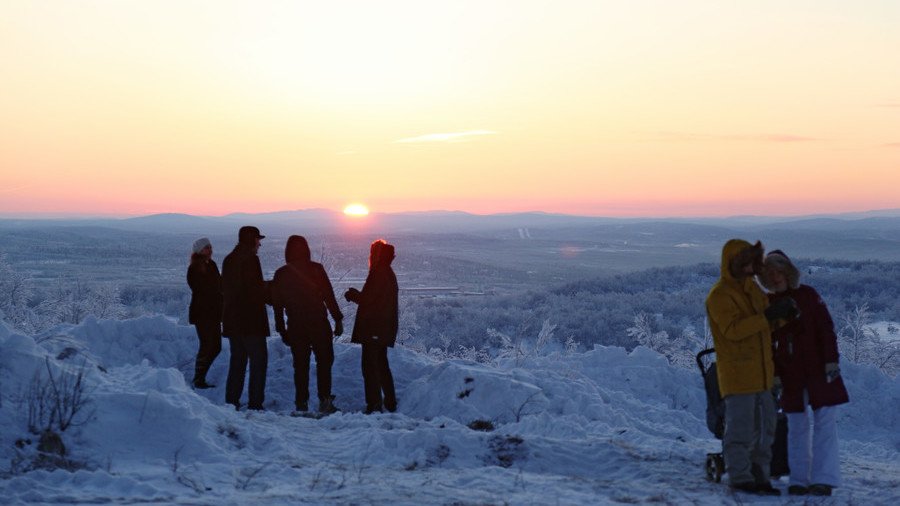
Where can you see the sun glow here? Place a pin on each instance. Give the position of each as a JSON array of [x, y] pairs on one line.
[[356, 210]]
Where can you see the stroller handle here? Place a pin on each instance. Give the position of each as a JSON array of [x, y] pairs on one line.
[[700, 356]]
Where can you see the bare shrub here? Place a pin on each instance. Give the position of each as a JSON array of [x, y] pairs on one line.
[[57, 402]]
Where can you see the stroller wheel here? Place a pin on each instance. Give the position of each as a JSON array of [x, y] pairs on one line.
[[715, 467]]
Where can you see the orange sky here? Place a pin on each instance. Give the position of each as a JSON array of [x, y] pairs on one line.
[[639, 108]]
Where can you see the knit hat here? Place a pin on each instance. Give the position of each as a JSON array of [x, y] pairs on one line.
[[199, 244], [777, 259]]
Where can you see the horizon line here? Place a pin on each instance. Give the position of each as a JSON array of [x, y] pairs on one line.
[[64, 216]]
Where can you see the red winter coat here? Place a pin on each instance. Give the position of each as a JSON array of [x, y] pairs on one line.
[[802, 348]]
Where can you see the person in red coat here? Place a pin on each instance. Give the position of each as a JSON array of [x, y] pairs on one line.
[[806, 360]]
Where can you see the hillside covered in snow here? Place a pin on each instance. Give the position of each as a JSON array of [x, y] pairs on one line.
[[603, 426]]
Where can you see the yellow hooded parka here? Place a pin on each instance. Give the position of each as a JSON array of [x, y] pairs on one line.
[[741, 333]]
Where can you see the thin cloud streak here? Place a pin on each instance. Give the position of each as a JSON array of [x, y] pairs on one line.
[[446, 137], [774, 138]]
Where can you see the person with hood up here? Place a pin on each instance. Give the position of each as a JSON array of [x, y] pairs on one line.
[[245, 322], [205, 311], [740, 319], [375, 327], [806, 361], [302, 290]]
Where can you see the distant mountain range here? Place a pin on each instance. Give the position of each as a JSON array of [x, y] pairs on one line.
[[323, 221]]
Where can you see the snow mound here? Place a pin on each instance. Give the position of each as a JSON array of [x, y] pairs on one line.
[[602, 426]]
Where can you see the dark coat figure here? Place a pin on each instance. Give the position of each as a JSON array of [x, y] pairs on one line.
[[205, 311], [376, 326], [802, 349], [807, 361], [301, 289], [245, 321]]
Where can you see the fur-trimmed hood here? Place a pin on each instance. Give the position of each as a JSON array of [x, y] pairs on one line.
[[778, 260]]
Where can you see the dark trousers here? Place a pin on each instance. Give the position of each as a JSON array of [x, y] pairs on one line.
[[377, 378], [301, 351], [244, 348], [210, 335]]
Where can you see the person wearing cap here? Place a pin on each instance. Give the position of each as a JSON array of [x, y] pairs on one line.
[[375, 327], [806, 361], [741, 320], [205, 311], [244, 321], [301, 290]]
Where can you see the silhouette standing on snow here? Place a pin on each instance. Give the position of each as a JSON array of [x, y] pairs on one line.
[[302, 290], [741, 320], [376, 325], [205, 311], [245, 322], [806, 361]]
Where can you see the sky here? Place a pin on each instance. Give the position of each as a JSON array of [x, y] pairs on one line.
[[602, 108]]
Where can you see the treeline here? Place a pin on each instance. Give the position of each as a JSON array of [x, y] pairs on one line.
[[602, 310]]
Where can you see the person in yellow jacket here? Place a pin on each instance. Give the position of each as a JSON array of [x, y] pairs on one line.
[[741, 319]]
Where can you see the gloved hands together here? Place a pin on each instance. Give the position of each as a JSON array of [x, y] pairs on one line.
[[338, 327], [832, 371], [784, 308], [352, 295]]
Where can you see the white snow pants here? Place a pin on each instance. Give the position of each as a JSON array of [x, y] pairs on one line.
[[814, 459]]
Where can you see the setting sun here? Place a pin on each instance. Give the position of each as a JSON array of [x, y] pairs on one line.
[[356, 210]]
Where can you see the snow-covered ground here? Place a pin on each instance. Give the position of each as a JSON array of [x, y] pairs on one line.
[[599, 427]]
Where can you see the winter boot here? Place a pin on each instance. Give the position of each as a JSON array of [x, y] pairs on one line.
[[797, 490], [747, 486], [766, 489], [819, 489], [326, 405], [201, 384]]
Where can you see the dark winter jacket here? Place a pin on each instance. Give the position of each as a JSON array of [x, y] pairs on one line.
[[246, 294], [802, 348], [206, 292], [302, 290], [377, 314]]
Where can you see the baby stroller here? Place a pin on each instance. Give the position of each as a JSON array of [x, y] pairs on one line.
[[715, 421]]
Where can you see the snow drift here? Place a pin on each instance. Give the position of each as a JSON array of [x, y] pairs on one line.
[[596, 427]]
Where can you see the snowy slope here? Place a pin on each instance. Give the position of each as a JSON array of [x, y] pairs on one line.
[[599, 427]]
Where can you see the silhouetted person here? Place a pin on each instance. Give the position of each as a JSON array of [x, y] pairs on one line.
[[302, 290], [806, 360], [245, 322], [376, 326], [741, 320], [205, 311]]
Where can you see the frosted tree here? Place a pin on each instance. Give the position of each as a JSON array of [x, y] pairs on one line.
[[643, 332], [861, 343], [856, 336], [16, 290], [72, 302], [680, 351]]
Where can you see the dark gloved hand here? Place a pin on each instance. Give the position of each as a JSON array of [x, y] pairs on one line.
[[784, 308], [351, 295], [338, 327], [832, 371]]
